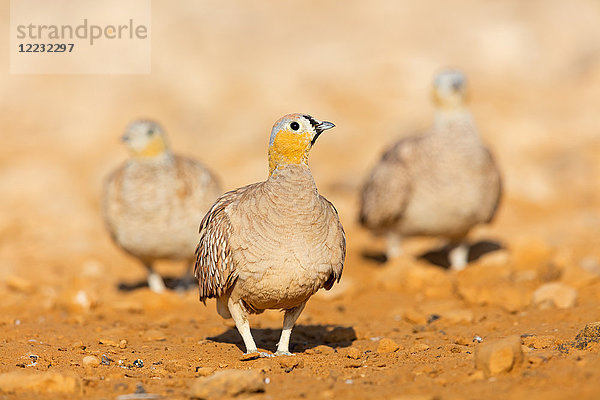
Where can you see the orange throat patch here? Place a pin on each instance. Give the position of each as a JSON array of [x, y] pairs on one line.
[[155, 147], [288, 148]]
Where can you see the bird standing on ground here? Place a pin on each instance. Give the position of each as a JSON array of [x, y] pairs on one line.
[[153, 202], [272, 244], [442, 183]]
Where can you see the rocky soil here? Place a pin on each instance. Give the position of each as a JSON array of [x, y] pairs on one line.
[[520, 322]]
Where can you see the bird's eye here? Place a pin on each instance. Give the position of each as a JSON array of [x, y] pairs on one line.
[[150, 132], [295, 126]]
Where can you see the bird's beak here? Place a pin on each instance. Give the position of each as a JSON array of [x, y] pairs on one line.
[[319, 128]]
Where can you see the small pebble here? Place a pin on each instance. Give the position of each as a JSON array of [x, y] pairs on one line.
[[105, 360], [354, 353], [418, 348], [138, 363], [387, 346], [91, 361], [477, 339]]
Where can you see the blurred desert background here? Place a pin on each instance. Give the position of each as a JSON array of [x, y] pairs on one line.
[[222, 73]]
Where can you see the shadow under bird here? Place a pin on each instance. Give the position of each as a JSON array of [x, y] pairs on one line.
[[153, 202], [442, 183], [272, 244]]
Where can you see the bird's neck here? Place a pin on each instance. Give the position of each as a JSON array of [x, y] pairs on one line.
[[455, 119], [293, 178]]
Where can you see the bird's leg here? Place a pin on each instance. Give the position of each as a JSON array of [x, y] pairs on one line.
[[240, 317], [155, 281], [289, 319], [393, 242], [459, 256]]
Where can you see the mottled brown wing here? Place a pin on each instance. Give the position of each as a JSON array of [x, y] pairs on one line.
[[387, 189], [214, 266], [337, 246]]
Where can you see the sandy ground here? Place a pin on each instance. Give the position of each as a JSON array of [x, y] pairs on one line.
[[222, 74]]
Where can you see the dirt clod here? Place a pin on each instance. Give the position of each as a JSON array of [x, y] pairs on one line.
[[227, 383], [39, 382], [554, 294], [90, 361], [387, 346], [496, 357]]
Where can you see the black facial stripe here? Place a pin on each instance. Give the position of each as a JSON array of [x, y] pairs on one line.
[[314, 139], [312, 121]]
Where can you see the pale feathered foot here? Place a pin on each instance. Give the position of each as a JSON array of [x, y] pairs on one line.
[[393, 245], [156, 283], [459, 257], [283, 353], [289, 319]]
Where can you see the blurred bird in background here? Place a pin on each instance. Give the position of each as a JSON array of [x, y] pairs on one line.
[[442, 183], [272, 244], [153, 203]]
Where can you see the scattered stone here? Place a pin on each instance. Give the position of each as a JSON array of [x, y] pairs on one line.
[[415, 317], [321, 349], [227, 383], [496, 357], [108, 342], [204, 371], [105, 360], [39, 382], [477, 339], [155, 335], [493, 286], [589, 334], [354, 353], [554, 294], [138, 363], [458, 316], [90, 362], [539, 342], [288, 363], [123, 344], [19, 284], [475, 376], [340, 334], [538, 358], [495, 259], [463, 341], [430, 281], [386, 346], [417, 348], [250, 356]]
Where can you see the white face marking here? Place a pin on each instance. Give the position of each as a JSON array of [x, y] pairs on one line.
[[286, 122], [449, 82], [139, 133]]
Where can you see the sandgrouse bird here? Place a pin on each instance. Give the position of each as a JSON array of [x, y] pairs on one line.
[[272, 244], [442, 183], [153, 202]]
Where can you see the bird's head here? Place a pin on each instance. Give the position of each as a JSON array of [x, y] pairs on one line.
[[145, 139], [292, 137], [450, 89]]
